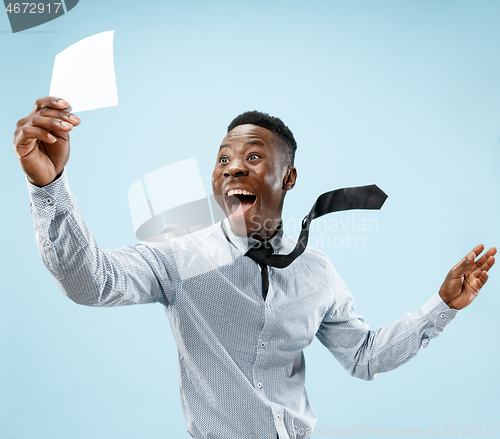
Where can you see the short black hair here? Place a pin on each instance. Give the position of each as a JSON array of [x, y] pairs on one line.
[[286, 141]]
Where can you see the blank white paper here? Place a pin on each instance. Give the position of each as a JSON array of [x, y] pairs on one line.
[[84, 74]]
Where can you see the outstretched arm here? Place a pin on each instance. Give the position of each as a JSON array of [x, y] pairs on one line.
[[365, 353], [87, 274]]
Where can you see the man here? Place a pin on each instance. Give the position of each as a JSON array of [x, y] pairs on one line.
[[240, 326]]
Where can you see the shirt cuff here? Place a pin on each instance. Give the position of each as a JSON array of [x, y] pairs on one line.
[[50, 201], [439, 314]]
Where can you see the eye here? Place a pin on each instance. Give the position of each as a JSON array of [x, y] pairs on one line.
[[253, 156], [223, 160]]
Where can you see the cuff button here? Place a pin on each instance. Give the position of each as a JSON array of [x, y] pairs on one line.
[[442, 315]]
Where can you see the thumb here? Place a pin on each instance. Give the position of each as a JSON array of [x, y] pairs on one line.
[[461, 268]]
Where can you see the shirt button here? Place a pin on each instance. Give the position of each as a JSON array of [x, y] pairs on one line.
[[425, 343], [49, 201], [259, 385], [262, 345], [442, 315], [268, 305], [278, 417]]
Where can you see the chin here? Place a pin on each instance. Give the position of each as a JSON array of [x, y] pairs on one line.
[[243, 225]]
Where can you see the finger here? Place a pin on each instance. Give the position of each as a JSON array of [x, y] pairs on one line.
[[28, 133], [487, 265], [51, 123], [60, 135], [477, 280], [50, 102], [482, 260], [60, 114], [463, 266], [478, 249], [482, 279], [21, 122]]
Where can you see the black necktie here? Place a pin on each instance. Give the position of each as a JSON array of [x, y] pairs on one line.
[[361, 197], [260, 252]]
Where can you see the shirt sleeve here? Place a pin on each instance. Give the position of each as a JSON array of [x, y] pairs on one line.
[[365, 353], [87, 274]]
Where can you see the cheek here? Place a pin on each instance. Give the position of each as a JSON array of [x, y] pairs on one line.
[[274, 184], [215, 185], [274, 180]]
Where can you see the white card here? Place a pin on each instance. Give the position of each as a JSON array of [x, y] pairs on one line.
[[84, 74]]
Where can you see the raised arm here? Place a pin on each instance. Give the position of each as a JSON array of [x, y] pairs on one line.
[[87, 274], [365, 353]]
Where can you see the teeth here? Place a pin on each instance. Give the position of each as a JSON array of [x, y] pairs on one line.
[[238, 192]]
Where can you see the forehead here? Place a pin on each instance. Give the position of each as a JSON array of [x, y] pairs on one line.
[[248, 135]]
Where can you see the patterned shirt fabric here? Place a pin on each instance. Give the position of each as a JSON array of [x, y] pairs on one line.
[[240, 357]]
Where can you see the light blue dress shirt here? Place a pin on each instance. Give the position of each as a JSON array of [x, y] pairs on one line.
[[240, 357]]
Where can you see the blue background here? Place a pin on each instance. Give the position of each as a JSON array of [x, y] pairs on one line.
[[401, 94]]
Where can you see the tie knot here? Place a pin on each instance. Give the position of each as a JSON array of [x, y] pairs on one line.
[[260, 251], [265, 245]]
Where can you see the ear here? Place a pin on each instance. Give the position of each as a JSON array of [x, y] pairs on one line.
[[290, 178]]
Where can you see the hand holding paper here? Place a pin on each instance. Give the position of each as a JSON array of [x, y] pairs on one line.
[[84, 76], [41, 140]]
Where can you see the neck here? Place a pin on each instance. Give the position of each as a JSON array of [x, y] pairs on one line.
[[261, 231], [267, 231]]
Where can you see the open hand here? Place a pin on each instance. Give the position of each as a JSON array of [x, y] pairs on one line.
[[465, 280]]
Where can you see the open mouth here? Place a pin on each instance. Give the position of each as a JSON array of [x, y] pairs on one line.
[[239, 201]]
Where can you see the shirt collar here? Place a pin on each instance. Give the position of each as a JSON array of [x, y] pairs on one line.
[[244, 243]]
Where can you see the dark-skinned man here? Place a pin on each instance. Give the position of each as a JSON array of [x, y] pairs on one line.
[[240, 326]]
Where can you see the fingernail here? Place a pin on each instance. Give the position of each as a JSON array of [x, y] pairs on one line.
[[51, 138], [470, 257], [75, 118], [66, 125], [62, 102]]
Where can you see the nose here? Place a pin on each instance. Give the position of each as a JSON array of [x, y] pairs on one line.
[[236, 169]]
